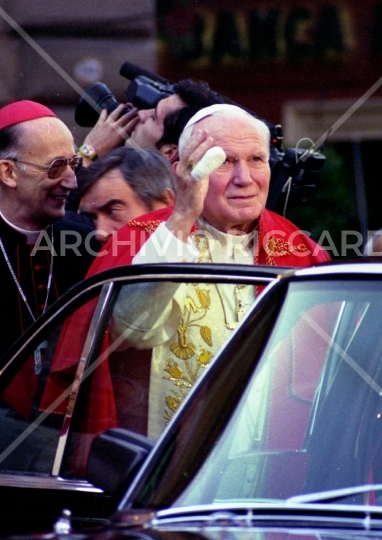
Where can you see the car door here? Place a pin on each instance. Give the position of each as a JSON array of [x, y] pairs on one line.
[[68, 379]]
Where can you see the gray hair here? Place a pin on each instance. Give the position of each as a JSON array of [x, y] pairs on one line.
[[148, 172], [226, 110]]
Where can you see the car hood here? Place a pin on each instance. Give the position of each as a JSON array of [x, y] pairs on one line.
[[256, 516], [257, 521]]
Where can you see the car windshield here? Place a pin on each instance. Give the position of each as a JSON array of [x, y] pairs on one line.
[[310, 418]]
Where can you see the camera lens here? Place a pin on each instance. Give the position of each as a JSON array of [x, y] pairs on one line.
[[96, 97]]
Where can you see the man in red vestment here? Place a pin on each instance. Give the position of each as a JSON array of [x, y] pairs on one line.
[[231, 199]]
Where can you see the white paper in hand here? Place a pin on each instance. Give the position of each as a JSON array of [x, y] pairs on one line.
[[211, 160]]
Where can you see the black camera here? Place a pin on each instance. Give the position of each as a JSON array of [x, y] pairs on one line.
[[293, 177], [144, 92], [96, 97]]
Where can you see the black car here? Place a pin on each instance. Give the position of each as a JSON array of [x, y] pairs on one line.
[[282, 435], [52, 405]]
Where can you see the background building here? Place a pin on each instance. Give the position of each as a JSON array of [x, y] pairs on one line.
[[312, 66], [53, 50]]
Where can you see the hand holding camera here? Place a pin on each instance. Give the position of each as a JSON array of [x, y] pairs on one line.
[[112, 129]]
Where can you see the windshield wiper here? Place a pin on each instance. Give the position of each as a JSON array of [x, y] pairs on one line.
[[334, 494]]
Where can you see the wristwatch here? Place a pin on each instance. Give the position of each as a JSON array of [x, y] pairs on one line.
[[88, 151]]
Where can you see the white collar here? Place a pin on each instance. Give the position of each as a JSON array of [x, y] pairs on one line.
[[224, 238], [31, 235]]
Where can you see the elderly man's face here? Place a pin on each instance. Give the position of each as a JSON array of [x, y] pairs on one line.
[[150, 127], [238, 189], [38, 200]]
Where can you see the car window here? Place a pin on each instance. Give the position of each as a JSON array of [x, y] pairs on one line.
[[126, 358], [31, 419], [309, 419]]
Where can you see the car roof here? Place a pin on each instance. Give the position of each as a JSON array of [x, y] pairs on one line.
[[340, 269]]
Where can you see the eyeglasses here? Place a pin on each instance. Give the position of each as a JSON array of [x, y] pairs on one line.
[[57, 167]]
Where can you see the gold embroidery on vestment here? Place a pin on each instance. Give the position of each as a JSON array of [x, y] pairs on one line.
[[147, 226], [277, 247], [173, 402], [204, 357], [184, 376], [205, 332], [191, 357]]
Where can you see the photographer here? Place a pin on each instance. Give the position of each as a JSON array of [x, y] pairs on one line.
[[145, 127], [157, 128]]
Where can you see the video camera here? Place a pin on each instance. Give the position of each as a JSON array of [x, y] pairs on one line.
[[144, 92], [294, 172]]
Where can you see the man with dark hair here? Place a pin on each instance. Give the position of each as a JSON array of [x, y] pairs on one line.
[[38, 258], [122, 185], [173, 126]]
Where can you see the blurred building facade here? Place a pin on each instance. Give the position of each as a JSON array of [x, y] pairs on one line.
[[53, 50], [313, 66], [300, 63]]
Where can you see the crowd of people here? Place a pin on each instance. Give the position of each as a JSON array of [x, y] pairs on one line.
[[62, 207]]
